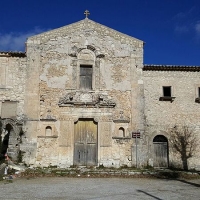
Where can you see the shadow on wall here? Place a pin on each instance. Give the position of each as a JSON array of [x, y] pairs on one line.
[[5, 140], [184, 141]]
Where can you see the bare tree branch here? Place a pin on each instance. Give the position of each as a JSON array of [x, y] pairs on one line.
[[185, 142]]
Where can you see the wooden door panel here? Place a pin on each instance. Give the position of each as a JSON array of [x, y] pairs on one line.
[[79, 154], [85, 143], [91, 132], [79, 136], [91, 154], [160, 155]]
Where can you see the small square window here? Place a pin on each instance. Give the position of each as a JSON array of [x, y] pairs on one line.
[[198, 92], [9, 109], [167, 94], [167, 91], [197, 99]]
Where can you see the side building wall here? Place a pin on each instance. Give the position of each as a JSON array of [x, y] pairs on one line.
[[12, 90], [162, 116]]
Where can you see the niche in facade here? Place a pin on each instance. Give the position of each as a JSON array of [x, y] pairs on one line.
[[121, 132], [48, 131], [121, 127]]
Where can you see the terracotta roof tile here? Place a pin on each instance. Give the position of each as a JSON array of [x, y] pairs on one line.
[[12, 54], [170, 68]]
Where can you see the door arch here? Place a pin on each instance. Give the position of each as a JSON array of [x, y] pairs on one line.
[[160, 151]]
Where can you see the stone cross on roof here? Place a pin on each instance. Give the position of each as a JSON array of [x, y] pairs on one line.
[[86, 13]]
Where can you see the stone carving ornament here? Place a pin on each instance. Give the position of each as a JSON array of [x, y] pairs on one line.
[[121, 118], [85, 98]]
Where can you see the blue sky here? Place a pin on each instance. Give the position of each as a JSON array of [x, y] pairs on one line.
[[169, 28]]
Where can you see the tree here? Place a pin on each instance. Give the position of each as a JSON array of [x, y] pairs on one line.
[[185, 141]]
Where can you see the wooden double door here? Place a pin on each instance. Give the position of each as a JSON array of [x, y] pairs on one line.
[[85, 143]]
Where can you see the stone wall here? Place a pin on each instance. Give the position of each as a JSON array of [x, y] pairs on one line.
[[12, 90], [55, 57], [42, 90], [12, 85], [161, 116]]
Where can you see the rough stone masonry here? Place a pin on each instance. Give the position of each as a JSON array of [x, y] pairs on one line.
[[80, 92]]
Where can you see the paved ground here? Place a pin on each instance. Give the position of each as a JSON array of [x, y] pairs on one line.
[[99, 189]]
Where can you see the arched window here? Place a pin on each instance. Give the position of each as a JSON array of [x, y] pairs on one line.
[[48, 131], [86, 61], [121, 132]]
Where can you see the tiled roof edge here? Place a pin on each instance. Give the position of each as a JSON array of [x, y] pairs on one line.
[[12, 53], [151, 67]]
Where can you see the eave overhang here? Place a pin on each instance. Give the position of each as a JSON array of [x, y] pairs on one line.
[[12, 54], [147, 67]]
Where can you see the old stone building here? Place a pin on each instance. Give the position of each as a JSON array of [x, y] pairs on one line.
[[79, 94]]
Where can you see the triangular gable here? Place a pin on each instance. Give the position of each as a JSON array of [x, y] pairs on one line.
[[84, 25]]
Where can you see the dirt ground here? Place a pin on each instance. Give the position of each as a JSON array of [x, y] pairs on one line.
[[64, 188]]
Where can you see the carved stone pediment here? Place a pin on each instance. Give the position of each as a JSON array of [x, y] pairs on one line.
[[84, 52], [121, 118], [86, 99]]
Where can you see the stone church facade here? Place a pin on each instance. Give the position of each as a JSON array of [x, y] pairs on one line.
[[79, 94]]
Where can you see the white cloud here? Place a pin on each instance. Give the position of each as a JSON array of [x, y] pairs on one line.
[[183, 15], [184, 21], [182, 29], [16, 41], [197, 28]]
